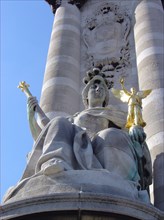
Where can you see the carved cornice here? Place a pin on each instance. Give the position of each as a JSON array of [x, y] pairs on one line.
[[56, 3]]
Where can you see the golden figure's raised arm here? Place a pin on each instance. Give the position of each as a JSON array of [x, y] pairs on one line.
[[123, 87]]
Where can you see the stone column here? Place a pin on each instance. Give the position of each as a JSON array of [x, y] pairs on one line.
[[60, 91], [149, 40]]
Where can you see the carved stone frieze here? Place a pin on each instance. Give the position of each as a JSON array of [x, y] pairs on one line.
[[105, 35]]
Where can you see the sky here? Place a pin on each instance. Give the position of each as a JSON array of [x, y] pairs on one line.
[[24, 39]]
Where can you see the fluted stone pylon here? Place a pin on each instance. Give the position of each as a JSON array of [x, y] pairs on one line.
[[149, 41], [60, 91]]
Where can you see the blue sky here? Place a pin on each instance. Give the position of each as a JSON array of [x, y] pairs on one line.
[[25, 33]]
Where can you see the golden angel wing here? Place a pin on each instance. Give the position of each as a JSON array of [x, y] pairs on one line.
[[120, 94], [143, 94]]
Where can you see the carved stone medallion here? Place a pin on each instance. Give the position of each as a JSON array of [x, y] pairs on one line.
[[105, 35]]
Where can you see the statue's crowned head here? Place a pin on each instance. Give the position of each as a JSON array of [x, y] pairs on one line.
[[92, 77]]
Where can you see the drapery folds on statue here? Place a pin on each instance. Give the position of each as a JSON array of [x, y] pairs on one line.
[[94, 139]]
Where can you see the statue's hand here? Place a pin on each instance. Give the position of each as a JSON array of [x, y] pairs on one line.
[[137, 134], [32, 103], [122, 81]]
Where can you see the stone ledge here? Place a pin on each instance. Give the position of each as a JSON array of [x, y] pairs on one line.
[[81, 201], [75, 181]]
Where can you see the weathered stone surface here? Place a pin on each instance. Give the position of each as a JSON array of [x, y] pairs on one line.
[[80, 201], [90, 181]]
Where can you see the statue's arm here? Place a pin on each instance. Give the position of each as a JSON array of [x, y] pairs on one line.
[[123, 87], [32, 108], [44, 120]]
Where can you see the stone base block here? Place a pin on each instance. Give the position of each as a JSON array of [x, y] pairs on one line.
[[80, 193], [79, 206], [76, 181]]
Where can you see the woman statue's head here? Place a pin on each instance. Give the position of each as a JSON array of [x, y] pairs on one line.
[[95, 93]]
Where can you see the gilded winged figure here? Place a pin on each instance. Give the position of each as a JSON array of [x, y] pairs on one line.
[[134, 100]]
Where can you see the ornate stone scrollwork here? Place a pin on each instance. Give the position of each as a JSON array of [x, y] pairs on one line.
[[57, 3], [105, 35]]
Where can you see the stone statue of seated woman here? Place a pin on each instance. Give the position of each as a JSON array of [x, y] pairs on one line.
[[91, 140]]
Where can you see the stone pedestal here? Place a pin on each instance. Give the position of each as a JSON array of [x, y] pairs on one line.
[[83, 195], [79, 206]]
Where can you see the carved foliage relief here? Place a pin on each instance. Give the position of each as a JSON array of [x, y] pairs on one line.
[[105, 35]]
